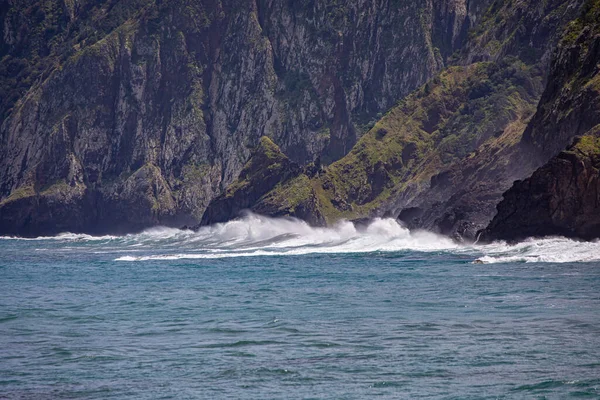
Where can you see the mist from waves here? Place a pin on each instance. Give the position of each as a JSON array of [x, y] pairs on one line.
[[255, 235]]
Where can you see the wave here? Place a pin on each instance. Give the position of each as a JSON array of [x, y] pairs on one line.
[[255, 235], [67, 236], [549, 250]]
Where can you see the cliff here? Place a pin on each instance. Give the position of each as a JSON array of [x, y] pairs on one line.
[[561, 197], [268, 167], [570, 104], [120, 115], [143, 111], [442, 157]]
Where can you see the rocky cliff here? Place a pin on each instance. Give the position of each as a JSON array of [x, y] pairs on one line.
[[268, 167], [139, 112], [442, 157], [561, 197], [570, 105], [120, 115]]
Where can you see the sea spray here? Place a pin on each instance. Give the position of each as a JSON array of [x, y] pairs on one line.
[[255, 235]]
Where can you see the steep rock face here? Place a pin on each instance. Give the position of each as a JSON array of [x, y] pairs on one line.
[[267, 167], [119, 121], [440, 139], [407, 152], [443, 156], [156, 104], [461, 198], [560, 198], [521, 28], [570, 104]]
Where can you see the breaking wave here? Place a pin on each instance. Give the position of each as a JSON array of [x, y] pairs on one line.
[[255, 235]]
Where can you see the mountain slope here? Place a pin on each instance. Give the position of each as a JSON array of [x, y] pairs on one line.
[[143, 111], [562, 197], [442, 157]]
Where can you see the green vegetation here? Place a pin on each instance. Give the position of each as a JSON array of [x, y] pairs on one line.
[[286, 196], [195, 172], [57, 187], [590, 17], [516, 28], [589, 144], [459, 111], [439, 124], [18, 194], [266, 160], [583, 30], [45, 33]]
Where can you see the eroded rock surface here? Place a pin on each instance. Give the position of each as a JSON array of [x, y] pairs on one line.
[[560, 198]]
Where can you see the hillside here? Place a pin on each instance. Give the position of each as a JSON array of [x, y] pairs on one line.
[[443, 156], [118, 116], [563, 196], [140, 112]]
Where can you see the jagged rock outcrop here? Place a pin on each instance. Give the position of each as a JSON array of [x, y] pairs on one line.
[[400, 159], [521, 28], [442, 157], [268, 167], [157, 103], [178, 92], [570, 105], [461, 197], [560, 198]]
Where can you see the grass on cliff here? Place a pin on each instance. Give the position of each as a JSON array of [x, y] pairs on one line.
[[590, 17], [266, 158], [589, 144], [442, 123], [287, 196], [18, 194], [45, 33]]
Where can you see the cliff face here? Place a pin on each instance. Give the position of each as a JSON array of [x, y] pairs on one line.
[[461, 196], [570, 104], [561, 197], [135, 113], [456, 134], [442, 157], [267, 168], [122, 114]]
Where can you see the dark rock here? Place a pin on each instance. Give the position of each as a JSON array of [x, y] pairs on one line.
[[560, 198], [267, 167], [101, 89]]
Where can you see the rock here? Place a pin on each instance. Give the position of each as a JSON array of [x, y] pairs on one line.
[[267, 167], [177, 92], [146, 113], [562, 198]]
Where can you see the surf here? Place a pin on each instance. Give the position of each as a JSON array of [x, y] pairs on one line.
[[254, 235]]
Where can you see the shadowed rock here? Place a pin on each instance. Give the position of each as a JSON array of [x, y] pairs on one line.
[[560, 198]]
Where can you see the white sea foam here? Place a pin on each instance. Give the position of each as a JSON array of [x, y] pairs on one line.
[[550, 250], [67, 236], [255, 235]]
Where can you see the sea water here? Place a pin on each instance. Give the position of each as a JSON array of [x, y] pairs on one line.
[[263, 308]]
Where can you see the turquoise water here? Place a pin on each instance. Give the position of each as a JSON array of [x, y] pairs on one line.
[[272, 309]]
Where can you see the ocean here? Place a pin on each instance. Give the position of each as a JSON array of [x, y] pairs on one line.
[[263, 308]]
